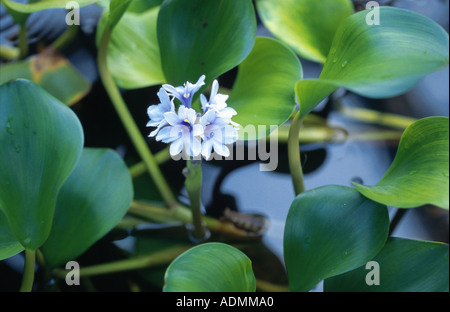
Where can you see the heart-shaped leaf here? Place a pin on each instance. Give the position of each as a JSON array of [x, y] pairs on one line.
[[9, 246], [52, 72], [263, 94], [378, 61], [404, 266], [308, 26], [211, 267], [133, 57], [198, 37], [41, 141], [331, 230], [93, 200], [419, 174]]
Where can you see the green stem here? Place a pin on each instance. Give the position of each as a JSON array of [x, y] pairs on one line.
[[130, 126], [194, 189], [23, 42], [28, 273], [66, 38], [141, 262], [294, 155]]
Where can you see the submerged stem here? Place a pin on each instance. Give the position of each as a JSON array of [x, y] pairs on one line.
[[129, 123], [28, 273], [294, 155]]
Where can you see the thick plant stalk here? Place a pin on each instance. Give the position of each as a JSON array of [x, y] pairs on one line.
[[28, 273], [295, 165], [194, 189], [129, 124]]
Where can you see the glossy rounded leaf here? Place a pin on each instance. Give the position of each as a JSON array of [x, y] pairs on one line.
[[378, 61], [211, 267], [198, 37], [263, 94], [404, 266], [9, 246], [93, 200], [329, 231], [41, 141], [133, 56], [419, 174], [308, 26]]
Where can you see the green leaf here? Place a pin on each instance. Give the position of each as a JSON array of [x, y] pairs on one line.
[[93, 200], [419, 174], [41, 141], [37, 6], [405, 266], [308, 26], [9, 246], [133, 57], [263, 93], [52, 72], [198, 37], [117, 9], [331, 230], [378, 61], [211, 267]]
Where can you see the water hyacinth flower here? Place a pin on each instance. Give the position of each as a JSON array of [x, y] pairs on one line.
[[188, 130], [186, 93]]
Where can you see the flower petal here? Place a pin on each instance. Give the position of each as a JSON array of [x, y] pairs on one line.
[[165, 135], [176, 147], [172, 118], [214, 90], [191, 116], [197, 130], [196, 148], [206, 149], [229, 135], [208, 118], [221, 149]]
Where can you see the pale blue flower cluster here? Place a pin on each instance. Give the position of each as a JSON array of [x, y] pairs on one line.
[[186, 130]]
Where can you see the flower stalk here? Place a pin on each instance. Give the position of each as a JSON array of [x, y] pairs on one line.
[[193, 186]]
